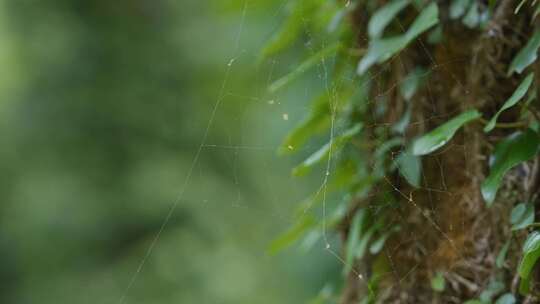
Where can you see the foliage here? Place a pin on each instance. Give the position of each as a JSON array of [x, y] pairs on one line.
[[385, 154]]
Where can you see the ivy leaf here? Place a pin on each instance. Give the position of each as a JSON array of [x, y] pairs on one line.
[[472, 19], [378, 244], [337, 143], [383, 16], [354, 238], [522, 215], [458, 8], [511, 151], [307, 64], [382, 49], [526, 55], [412, 82], [518, 94], [531, 253], [501, 257], [442, 134], [438, 283], [410, 167], [292, 235], [506, 298]]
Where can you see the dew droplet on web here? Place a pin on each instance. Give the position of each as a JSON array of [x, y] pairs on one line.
[[231, 62], [271, 102], [327, 246], [285, 116], [290, 147], [360, 276], [348, 3]]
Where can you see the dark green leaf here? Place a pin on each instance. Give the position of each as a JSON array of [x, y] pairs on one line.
[[526, 55], [513, 150], [442, 134], [518, 94], [382, 17]]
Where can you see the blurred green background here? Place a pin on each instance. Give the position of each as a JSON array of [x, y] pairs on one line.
[[104, 105]]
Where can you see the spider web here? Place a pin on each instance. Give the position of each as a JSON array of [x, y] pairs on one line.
[[282, 111]]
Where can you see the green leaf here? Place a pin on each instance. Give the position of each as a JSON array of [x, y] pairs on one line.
[[526, 55], [436, 35], [522, 215], [400, 126], [303, 67], [324, 152], [292, 235], [438, 283], [383, 16], [291, 29], [511, 151], [382, 49], [518, 94], [378, 244], [412, 82], [531, 252], [410, 167], [472, 19], [506, 298], [317, 121], [354, 238], [495, 286], [458, 8], [442, 134], [501, 257]]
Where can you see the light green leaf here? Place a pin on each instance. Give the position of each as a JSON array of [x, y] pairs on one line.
[[383, 16], [292, 235], [410, 167], [442, 134], [354, 238], [506, 298], [307, 64], [323, 153], [494, 287], [501, 257], [531, 252], [472, 19], [291, 29], [526, 55], [378, 244], [412, 82], [518, 94], [438, 282], [458, 8], [522, 215], [317, 121], [511, 151], [400, 126], [382, 49]]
